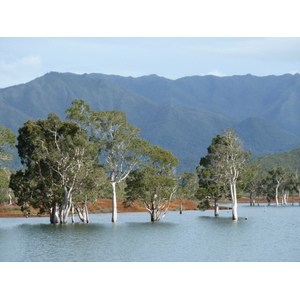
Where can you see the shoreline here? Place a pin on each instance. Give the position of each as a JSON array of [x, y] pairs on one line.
[[104, 206]]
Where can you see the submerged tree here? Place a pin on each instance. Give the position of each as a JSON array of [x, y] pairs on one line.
[[119, 145], [154, 183], [254, 178], [58, 157], [209, 186], [277, 176], [226, 159], [118, 142]]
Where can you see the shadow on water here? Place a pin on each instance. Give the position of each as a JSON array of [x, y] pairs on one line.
[[150, 224]]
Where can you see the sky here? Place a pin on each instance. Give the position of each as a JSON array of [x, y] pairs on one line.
[[136, 38], [24, 58]]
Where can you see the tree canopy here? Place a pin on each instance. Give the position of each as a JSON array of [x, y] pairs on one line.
[[225, 160], [155, 182], [58, 157], [7, 142]]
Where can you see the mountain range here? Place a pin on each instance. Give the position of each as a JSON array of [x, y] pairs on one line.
[[181, 115]]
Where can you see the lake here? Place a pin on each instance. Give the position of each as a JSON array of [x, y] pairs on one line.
[[269, 234]]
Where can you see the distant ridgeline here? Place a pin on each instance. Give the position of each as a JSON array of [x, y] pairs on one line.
[[180, 115], [289, 160]]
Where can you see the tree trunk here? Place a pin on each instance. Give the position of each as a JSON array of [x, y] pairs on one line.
[[181, 208], [234, 201], [54, 218], [252, 202], [276, 195], [9, 196], [114, 202], [216, 207], [154, 216], [86, 212], [73, 214], [83, 212], [65, 208]]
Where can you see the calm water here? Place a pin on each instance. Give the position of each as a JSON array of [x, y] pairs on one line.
[[269, 234]]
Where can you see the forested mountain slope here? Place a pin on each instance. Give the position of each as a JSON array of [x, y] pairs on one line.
[[289, 160], [273, 98], [181, 115]]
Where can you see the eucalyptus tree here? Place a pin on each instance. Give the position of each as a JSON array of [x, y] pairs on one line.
[[119, 146], [86, 190], [253, 176], [154, 183], [226, 158], [288, 186], [278, 177], [210, 187], [59, 157], [117, 141]]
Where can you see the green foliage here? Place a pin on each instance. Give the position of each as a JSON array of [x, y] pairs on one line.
[[7, 141], [290, 161], [58, 158], [187, 186], [204, 204], [154, 183], [4, 185]]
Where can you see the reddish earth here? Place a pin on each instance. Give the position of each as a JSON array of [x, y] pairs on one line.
[[104, 206], [100, 206]]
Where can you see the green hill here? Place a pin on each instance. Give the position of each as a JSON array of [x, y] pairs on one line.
[[181, 115], [289, 160]]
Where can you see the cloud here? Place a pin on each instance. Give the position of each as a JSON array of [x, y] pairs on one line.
[[27, 63], [20, 70], [216, 73]]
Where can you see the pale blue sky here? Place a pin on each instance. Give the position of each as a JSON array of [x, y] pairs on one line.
[[172, 39], [23, 59]]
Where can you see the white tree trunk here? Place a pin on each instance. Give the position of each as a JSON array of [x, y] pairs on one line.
[[114, 202], [83, 212], [276, 194], [9, 196], [284, 198], [65, 207], [234, 201], [54, 218], [154, 216]]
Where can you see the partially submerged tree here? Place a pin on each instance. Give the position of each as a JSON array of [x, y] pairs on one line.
[[154, 183], [119, 145], [58, 157], [210, 188], [277, 176], [226, 159], [254, 177]]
